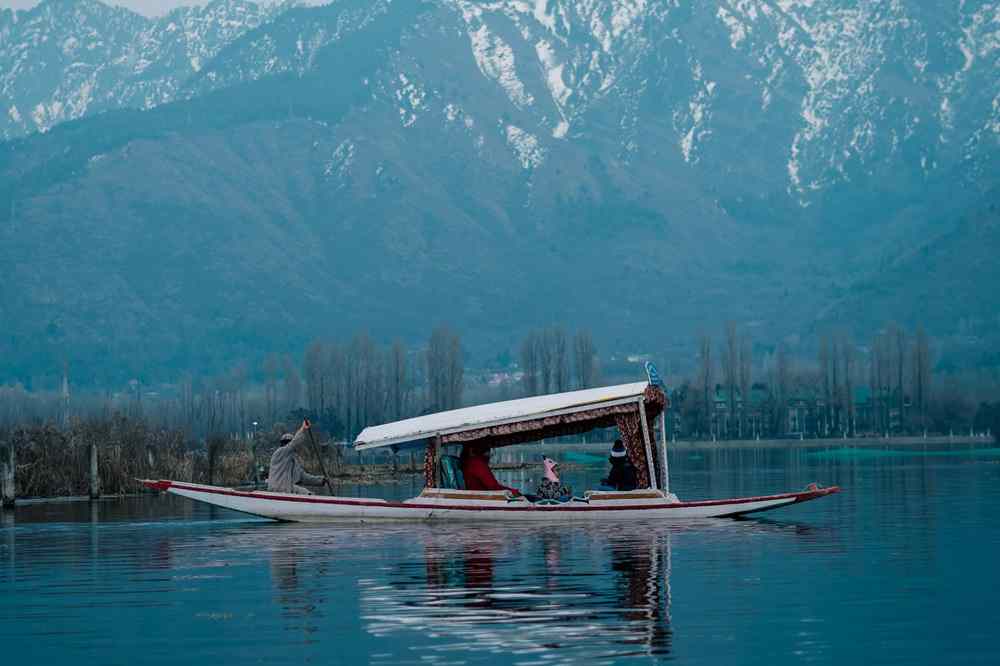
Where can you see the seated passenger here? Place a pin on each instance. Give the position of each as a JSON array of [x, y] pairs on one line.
[[476, 470], [550, 487], [622, 474]]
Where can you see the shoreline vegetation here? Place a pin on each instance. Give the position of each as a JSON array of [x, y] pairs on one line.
[[738, 386], [739, 393], [56, 464]]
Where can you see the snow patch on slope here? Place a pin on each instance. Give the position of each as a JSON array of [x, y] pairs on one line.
[[410, 96], [558, 90], [693, 121], [495, 59], [584, 51], [838, 50], [737, 30], [341, 160], [979, 42], [553, 73], [528, 150]]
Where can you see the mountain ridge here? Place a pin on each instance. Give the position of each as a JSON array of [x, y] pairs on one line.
[[65, 59], [499, 166]]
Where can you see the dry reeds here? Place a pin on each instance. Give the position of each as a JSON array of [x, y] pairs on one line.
[[54, 462]]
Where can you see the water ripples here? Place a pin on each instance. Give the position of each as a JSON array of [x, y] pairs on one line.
[[888, 572]]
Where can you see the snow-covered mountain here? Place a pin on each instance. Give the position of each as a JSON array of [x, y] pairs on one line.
[[65, 59], [845, 84], [770, 161], [851, 82]]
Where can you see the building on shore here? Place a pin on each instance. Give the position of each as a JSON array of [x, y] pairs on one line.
[[806, 412]]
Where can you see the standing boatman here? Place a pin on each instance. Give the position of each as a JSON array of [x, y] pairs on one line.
[[287, 475]]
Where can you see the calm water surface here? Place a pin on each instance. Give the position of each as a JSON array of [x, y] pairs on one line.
[[899, 569]]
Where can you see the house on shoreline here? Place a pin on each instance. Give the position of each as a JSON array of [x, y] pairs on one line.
[[805, 412]]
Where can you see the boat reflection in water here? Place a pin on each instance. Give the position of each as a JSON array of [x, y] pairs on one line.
[[532, 590], [398, 593], [296, 597]]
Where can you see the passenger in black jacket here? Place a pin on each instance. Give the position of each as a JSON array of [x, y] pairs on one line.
[[622, 474]]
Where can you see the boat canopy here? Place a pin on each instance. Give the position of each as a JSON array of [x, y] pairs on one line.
[[518, 421]]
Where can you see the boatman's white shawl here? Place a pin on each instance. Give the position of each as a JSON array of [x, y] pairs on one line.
[[497, 413], [286, 472]]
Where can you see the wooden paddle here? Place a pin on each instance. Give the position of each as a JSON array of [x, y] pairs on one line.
[[316, 452]]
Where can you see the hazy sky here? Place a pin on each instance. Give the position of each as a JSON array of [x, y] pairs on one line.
[[147, 7]]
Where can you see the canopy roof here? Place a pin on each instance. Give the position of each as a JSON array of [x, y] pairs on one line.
[[583, 410]]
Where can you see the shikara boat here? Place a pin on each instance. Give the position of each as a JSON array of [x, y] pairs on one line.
[[633, 408]]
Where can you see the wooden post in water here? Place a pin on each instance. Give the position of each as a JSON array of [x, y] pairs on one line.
[[7, 479], [95, 476]]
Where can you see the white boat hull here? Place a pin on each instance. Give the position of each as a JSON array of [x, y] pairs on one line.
[[479, 507]]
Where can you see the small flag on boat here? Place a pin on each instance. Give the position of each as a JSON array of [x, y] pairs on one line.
[[653, 375]]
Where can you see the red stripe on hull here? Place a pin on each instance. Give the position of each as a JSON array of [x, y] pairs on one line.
[[804, 496]]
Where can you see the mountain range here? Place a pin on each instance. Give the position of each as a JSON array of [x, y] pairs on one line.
[[196, 189]]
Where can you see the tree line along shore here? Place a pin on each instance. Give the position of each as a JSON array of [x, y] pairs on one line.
[[736, 389], [104, 458]]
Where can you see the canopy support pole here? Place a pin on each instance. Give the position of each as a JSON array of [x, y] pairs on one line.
[[437, 462], [644, 424], [663, 450]]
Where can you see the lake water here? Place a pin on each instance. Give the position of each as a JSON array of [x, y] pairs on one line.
[[901, 568]]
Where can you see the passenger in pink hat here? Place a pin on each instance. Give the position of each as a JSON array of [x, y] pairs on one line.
[[550, 487]]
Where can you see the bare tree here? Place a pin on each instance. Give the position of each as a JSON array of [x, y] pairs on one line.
[[338, 380], [584, 356], [730, 366], [445, 370], [897, 339], [545, 354], [211, 408], [836, 390], [64, 397], [705, 379], [377, 395], [881, 378], [873, 384], [921, 376], [312, 369], [293, 384], [783, 371], [397, 379], [456, 372], [529, 363], [238, 381], [746, 365], [437, 361], [848, 355], [366, 397], [560, 359], [824, 378], [271, 386], [187, 402]]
